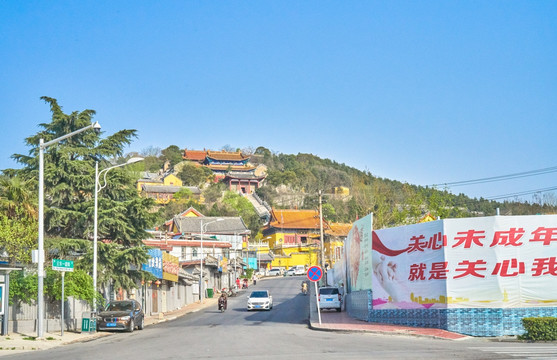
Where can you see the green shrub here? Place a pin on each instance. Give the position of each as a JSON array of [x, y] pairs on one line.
[[540, 328]]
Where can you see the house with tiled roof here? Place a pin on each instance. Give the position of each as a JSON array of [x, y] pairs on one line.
[[163, 186], [293, 237], [217, 241]]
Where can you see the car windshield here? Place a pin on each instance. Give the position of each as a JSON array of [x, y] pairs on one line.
[[328, 291], [120, 306], [259, 294]]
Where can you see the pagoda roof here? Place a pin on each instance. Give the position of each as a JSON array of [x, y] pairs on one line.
[[295, 219], [225, 155], [339, 229], [243, 176], [195, 155], [231, 167]]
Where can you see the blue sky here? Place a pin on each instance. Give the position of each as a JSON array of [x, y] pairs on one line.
[[422, 92]]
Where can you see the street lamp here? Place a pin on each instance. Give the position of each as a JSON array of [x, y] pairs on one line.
[[98, 188], [201, 266], [40, 266]]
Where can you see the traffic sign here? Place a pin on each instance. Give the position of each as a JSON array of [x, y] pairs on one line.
[[62, 265], [315, 273]]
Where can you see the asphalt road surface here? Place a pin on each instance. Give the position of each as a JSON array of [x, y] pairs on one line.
[[281, 333]]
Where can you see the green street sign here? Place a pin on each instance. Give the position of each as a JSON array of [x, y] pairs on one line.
[[62, 265]]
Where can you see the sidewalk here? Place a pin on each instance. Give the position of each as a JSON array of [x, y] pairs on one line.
[[341, 321], [18, 343]]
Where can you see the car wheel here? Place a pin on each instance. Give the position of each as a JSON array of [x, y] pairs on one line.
[[132, 326], [141, 325]]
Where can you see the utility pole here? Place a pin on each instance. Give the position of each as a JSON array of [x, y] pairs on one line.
[[321, 236]]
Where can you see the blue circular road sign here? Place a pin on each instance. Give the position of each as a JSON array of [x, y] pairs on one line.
[[315, 273]]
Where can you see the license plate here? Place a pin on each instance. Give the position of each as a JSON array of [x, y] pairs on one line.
[[110, 324], [328, 299], [257, 306]]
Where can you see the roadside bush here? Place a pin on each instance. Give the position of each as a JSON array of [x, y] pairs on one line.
[[540, 328]]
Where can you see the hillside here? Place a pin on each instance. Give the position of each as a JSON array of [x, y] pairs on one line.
[[293, 181]]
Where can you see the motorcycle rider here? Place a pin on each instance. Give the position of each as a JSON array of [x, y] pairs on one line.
[[223, 301], [304, 287]]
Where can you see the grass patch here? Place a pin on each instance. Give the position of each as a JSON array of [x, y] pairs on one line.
[[50, 338], [30, 338]]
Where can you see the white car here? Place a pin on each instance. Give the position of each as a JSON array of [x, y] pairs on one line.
[[290, 272], [300, 270], [330, 298], [274, 272], [260, 300]]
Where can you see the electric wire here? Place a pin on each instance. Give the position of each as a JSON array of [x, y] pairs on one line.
[[499, 178], [506, 196]]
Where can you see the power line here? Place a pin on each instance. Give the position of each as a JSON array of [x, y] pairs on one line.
[[521, 193], [499, 178]]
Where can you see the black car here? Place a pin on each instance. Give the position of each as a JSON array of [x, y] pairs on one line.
[[121, 315]]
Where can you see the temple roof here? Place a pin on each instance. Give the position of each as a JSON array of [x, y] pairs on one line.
[[295, 219], [228, 156], [194, 155], [339, 229], [231, 167], [243, 176]]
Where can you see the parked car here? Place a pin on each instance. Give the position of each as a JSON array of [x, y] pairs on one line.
[[300, 270], [260, 300], [121, 315], [330, 298], [275, 272], [290, 272]]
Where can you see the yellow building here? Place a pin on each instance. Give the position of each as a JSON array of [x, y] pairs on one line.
[[158, 180], [293, 237], [334, 241]]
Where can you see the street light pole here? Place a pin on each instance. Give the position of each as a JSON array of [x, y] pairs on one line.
[[201, 291], [40, 265], [321, 236], [98, 188]]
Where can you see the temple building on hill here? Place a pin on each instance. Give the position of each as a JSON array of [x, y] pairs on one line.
[[232, 168]]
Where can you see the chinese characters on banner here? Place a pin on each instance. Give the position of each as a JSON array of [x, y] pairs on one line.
[[154, 266], [502, 261]]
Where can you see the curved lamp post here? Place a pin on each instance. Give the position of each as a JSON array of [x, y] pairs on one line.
[[98, 188], [40, 265], [203, 227]]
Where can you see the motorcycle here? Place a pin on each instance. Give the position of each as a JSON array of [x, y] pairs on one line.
[[222, 303], [304, 288]]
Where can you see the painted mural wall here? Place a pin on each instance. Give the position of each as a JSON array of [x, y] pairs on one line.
[[358, 255], [487, 262]]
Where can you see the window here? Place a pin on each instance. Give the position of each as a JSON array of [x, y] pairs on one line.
[[194, 253]]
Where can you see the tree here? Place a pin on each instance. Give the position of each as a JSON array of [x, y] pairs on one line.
[[192, 175], [17, 197], [69, 177], [18, 236], [172, 154], [18, 219]]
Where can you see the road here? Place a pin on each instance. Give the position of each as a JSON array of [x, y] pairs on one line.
[[281, 333]]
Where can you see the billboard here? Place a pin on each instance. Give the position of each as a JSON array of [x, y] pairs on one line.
[[170, 267], [487, 262], [154, 266], [357, 251]]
